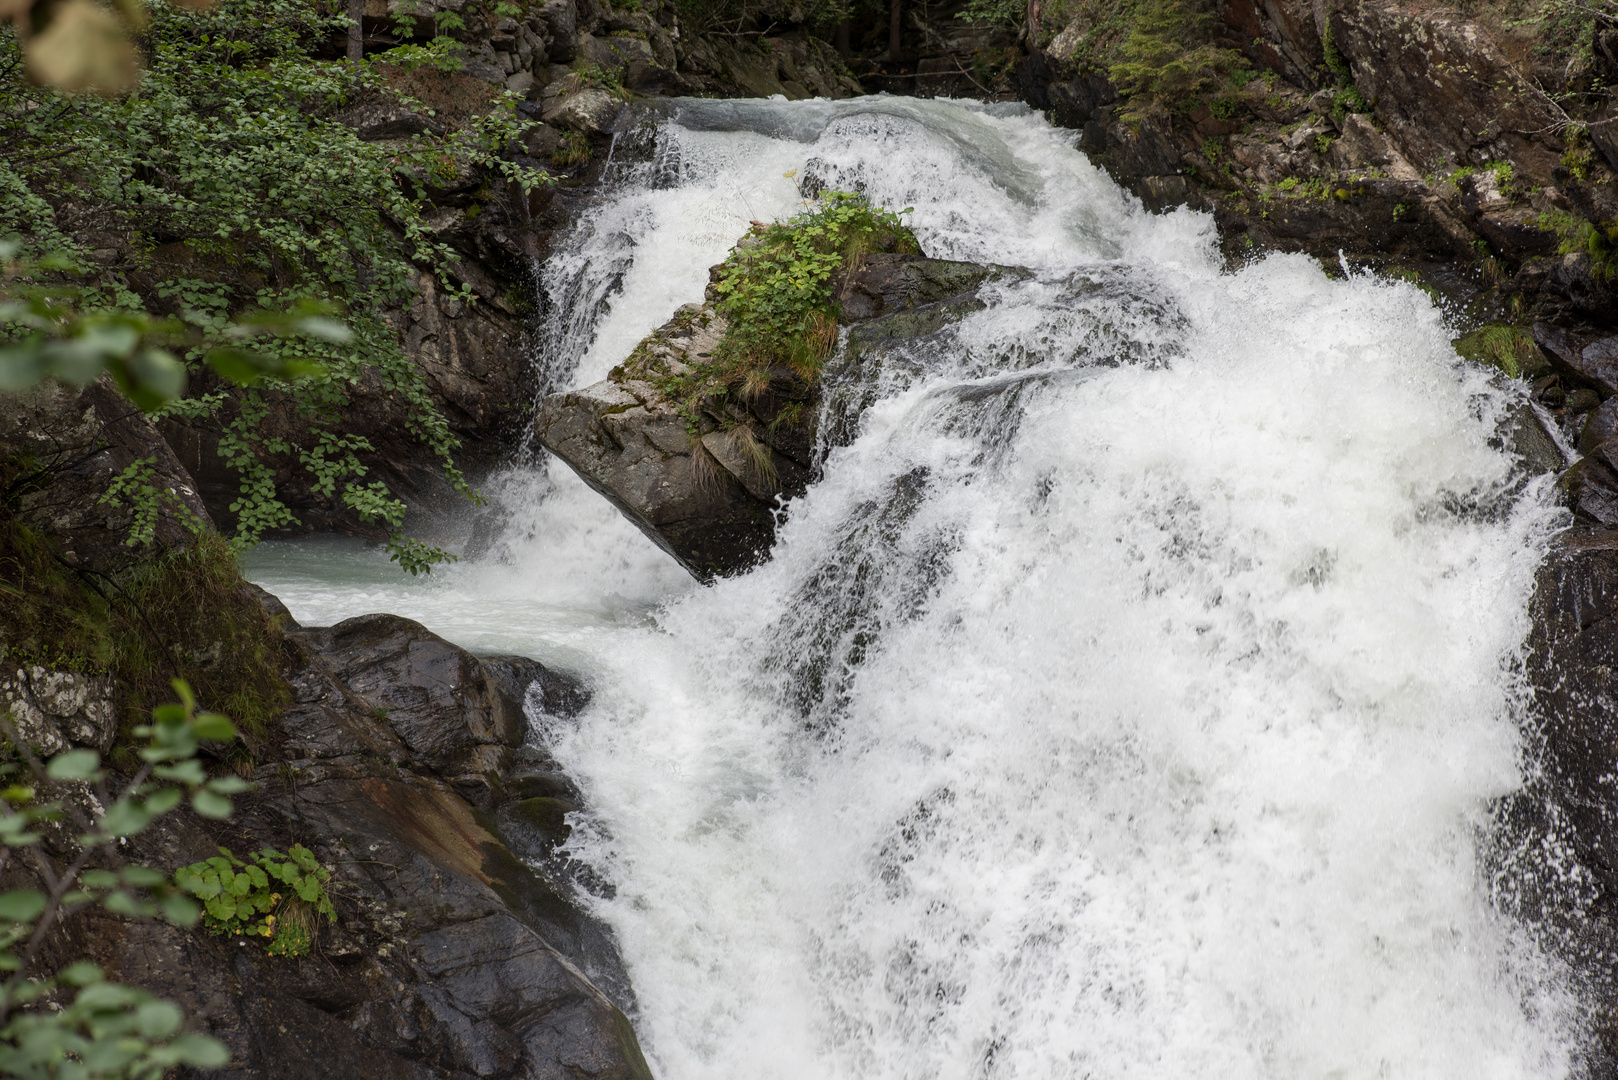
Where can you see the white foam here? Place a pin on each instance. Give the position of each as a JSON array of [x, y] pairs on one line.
[[1162, 708]]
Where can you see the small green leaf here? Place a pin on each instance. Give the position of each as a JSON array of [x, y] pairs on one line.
[[214, 728], [189, 772], [180, 910], [163, 800], [122, 903], [21, 905], [211, 805], [142, 877], [229, 785], [82, 973], [74, 765], [158, 1019], [199, 1051]]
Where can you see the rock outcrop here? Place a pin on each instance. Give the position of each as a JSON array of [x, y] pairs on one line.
[[452, 956], [704, 479], [61, 450], [1418, 140]]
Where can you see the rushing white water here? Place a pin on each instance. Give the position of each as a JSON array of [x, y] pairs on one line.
[[1127, 700]]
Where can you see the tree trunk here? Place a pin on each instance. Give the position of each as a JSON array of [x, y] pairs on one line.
[[356, 34], [893, 32], [842, 39]]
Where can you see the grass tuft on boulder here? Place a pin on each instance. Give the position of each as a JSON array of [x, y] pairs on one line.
[[777, 295]]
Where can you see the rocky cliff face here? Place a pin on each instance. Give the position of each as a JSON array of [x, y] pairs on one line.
[[1412, 139], [704, 479], [574, 63]]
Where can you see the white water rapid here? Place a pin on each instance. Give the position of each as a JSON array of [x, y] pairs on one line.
[[1128, 700]]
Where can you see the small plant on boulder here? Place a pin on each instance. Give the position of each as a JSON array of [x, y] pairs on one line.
[[273, 896], [776, 295]]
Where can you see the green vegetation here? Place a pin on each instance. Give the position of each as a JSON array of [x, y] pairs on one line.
[[1509, 348], [236, 192], [1347, 98], [274, 896], [183, 616], [735, 16], [1599, 240], [1158, 51], [574, 150], [777, 300], [72, 1024], [1168, 56], [1008, 13]]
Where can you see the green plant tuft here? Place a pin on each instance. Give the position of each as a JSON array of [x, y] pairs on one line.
[[776, 295], [1509, 348], [274, 896]]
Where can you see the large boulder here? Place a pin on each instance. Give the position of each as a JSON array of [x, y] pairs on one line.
[[1569, 812], [460, 950], [703, 479]]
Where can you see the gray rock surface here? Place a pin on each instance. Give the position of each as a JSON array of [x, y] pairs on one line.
[[703, 482], [53, 710], [590, 112]]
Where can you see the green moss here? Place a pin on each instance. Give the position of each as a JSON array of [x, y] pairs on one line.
[[48, 616], [547, 815], [1599, 240], [1508, 348], [186, 615]]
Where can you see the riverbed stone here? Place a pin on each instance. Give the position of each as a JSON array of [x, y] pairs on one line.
[[590, 112]]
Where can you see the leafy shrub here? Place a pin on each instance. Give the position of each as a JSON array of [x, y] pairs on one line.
[[273, 896], [73, 1023], [776, 296], [241, 192]]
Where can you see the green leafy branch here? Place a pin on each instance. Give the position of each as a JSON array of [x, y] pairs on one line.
[[73, 1023]]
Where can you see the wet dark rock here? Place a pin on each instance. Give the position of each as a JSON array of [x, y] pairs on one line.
[[1574, 669], [1594, 364], [1592, 485], [1599, 426], [434, 697], [388, 120], [459, 950], [509, 968], [704, 486], [1534, 446], [60, 450]]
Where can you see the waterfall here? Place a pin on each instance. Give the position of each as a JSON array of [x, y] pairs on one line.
[[1129, 698]]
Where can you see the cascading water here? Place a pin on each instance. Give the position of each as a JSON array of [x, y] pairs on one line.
[[1129, 697]]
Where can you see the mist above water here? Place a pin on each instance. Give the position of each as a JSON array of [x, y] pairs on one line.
[[1129, 699]]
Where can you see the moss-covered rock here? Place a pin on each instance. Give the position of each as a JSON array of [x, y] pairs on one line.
[[700, 474]]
